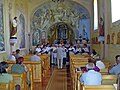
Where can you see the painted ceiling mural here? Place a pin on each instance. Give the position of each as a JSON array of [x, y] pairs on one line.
[[50, 13]]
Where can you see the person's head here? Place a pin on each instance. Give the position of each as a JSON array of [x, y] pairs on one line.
[[35, 53], [19, 60], [117, 59], [38, 46], [15, 18], [17, 51], [85, 45], [3, 67], [90, 66], [91, 60], [13, 53]]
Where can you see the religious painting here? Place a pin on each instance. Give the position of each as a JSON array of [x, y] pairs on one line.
[[84, 30], [62, 31], [22, 31], [2, 43], [36, 37]]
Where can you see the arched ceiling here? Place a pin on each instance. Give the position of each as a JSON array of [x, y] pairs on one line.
[[50, 13]]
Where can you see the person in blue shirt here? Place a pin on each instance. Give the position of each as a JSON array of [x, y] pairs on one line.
[[91, 77]]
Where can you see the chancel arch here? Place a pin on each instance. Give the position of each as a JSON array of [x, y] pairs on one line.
[[70, 13], [60, 31]]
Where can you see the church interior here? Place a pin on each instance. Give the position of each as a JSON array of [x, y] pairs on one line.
[[27, 24]]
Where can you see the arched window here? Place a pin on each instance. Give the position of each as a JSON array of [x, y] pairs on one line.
[[115, 5], [95, 15]]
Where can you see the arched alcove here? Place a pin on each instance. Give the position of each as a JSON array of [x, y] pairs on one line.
[[22, 31], [60, 31], [73, 14]]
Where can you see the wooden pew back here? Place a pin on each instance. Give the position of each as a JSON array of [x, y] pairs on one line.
[[99, 87]]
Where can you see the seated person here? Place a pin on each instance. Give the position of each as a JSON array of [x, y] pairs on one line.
[[12, 56], [17, 53], [91, 61], [99, 63], [35, 57], [116, 68], [91, 77], [19, 67], [4, 76]]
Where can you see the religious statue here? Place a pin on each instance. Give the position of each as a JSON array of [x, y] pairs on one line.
[[101, 27], [14, 27]]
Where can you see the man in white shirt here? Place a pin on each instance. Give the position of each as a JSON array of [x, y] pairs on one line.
[[59, 56], [91, 77], [35, 57]]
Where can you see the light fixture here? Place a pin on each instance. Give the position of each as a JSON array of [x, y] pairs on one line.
[[58, 1]]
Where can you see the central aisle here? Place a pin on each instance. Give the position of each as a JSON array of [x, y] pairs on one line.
[[58, 80]]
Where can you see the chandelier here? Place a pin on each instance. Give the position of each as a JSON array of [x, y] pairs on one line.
[[58, 1]]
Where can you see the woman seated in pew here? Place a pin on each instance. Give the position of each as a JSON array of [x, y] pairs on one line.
[[4, 76], [91, 77], [35, 57], [19, 67]]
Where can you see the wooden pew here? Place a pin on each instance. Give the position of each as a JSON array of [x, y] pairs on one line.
[[7, 86], [109, 79], [99, 87], [104, 71], [36, 69], [20, 79]]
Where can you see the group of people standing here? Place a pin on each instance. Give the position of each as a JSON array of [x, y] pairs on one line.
[[59, 53]]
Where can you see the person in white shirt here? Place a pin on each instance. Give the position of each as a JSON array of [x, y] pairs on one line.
[[12, 56], [55, 54], [64, 54], [59, 56], [91, 77], [78, 50], [71, 50], [85, 49], [44, 50], [38, 49], [99, 63], [35, 57]]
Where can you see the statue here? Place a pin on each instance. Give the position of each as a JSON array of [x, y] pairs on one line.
[[14, 27]]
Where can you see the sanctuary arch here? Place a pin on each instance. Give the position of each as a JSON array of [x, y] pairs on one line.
[[55, 21]]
